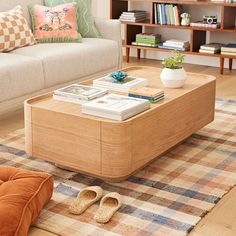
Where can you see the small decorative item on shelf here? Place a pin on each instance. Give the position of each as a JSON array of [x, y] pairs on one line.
[[173, 75], [185, 19], [210, 20], [119, 75]]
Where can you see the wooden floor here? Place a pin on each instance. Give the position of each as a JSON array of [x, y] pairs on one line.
[[221, 221]]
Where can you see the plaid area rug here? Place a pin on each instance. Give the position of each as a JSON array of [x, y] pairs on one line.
[[169, 197]]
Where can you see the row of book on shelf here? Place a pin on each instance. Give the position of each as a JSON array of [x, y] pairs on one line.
[[97, 101], [167, 14], [154, 40], [164, 14], [134, 16], [218, 48]]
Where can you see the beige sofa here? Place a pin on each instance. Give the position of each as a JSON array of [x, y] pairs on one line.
[[40, 68]]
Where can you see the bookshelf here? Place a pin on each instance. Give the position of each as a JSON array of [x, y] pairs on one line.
[[198, 35]]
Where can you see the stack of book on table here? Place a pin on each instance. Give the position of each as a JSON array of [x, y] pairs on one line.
[[175, 44], [204, 25], [212, 48], [153, 95], [166, 14], [130, 82], [134, 16], [147, 40], [229, 49], [115, 107], [78, 94]]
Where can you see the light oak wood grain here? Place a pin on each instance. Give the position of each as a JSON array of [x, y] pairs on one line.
[[59, 132]]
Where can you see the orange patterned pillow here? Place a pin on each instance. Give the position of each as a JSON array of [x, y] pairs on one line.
[[55, 24], [14, 30]]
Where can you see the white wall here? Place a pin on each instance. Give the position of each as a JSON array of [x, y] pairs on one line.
[[101, 9]]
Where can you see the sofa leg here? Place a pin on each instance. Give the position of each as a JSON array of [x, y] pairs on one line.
[[127, 54]]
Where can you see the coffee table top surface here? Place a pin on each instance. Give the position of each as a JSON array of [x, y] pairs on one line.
[[194, 81]]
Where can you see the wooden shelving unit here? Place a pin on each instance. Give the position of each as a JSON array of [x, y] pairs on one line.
[[197, 34]]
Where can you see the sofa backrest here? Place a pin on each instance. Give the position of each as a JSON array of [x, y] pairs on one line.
[[6, 5]]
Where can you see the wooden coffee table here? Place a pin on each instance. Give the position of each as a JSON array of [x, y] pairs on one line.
[[58, 132]]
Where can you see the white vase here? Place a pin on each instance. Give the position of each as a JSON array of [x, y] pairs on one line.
[[173, 78]]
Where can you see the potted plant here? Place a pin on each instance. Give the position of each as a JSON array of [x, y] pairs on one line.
[[173, 75]]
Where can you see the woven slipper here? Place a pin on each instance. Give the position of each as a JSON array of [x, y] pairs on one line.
[[86, 197], [109, 204]]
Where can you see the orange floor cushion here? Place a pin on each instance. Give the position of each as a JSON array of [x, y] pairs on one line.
[[22, 196]]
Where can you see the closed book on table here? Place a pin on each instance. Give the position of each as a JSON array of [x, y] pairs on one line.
[[116, 107], [147, 91], [80, 92], [152, 100], [130, 82]]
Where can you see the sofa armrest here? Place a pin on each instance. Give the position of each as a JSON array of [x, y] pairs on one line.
[[111, 29]]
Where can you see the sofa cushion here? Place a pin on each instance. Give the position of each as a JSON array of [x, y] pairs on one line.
[[14, 30], [6, 5], [19, 75], [55, 24], [22, 196], [86, 25], [66, 62]]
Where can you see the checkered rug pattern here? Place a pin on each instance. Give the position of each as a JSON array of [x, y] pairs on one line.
[[14, 30], [167, 198]]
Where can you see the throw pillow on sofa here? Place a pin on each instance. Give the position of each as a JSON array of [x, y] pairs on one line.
[[14, 30], [86, 25], [55, 24]]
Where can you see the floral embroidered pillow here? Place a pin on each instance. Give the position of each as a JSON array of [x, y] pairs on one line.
[[55, 24]]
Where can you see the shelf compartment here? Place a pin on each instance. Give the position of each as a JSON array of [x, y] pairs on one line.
[[148, 24], [228, 18], [198, 38], [203, 3], [183, 52]]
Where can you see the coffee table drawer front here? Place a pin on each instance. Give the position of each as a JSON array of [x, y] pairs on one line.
[[162, 129], [64, 140]]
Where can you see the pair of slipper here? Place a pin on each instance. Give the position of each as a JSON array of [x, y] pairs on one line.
[[109, 204]]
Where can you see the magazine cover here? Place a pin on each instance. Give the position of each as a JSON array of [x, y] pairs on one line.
[[80, 91]]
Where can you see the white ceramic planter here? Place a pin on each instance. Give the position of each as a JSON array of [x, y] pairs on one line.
[[173, 78]]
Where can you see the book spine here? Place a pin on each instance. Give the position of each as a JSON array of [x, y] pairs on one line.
[[167, 14], [163, 14], [176, 15], [171, 14], [155, 14], [160, 13]]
